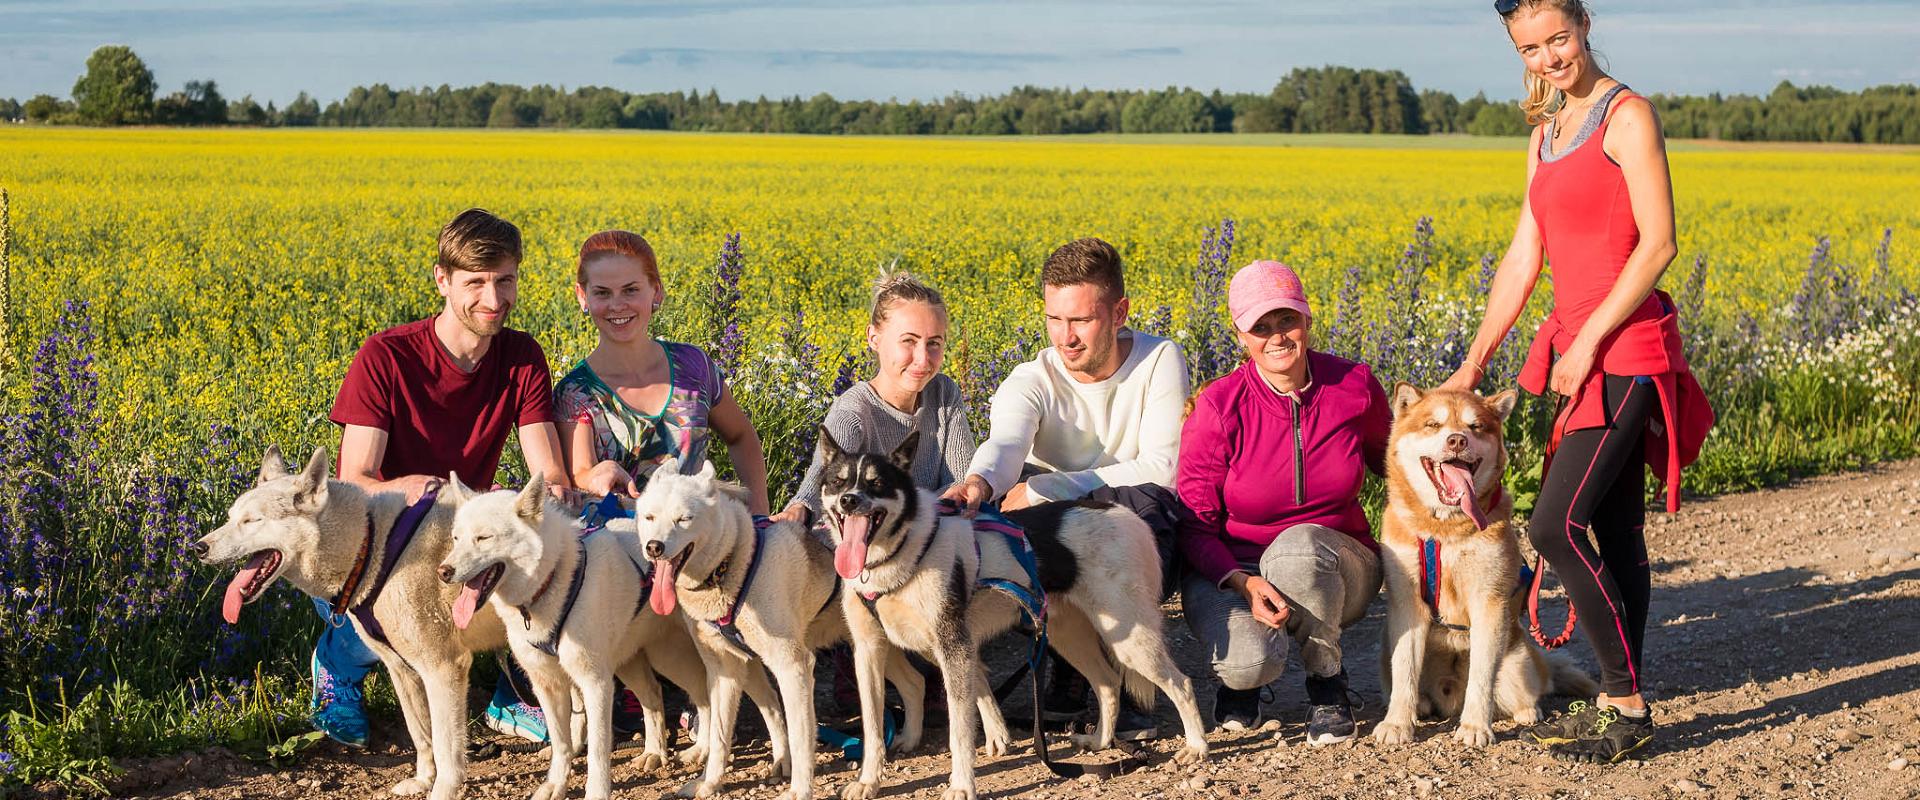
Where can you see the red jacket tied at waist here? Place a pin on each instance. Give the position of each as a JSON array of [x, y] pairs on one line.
[[1647, 343]]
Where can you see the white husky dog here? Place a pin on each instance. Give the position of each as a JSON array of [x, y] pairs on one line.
[[916, 582], [330, 539], [575, 614], [757, 597]]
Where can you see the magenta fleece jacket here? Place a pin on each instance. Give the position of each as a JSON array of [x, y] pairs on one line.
[[1254, 463]]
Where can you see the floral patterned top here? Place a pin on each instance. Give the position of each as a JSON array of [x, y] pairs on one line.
[[634, 439]]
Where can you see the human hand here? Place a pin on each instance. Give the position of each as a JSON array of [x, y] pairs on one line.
[[608, 477], [969, 493], [1466, 378], [1268, 605], [417, 486], [1570, 372], [1017, 498], [798, 512]]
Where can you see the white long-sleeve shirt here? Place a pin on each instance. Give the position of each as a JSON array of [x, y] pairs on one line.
[[1123, 431]]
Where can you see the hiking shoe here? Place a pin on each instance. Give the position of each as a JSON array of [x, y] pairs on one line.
[[628, 716], [1611, 738], [1329, 710], [337, 708], [1135, 724], [1566, 726], [517, 719], [1236, 709]]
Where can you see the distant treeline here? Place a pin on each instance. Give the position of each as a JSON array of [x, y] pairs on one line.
[[1317, 100]]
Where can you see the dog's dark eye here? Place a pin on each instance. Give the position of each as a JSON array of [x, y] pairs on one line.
[[649, 517], [1433, 425], [1476, 427], [685, 520]]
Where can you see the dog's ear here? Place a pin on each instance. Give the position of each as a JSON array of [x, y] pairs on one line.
[[273, 466], [1404, 396], [825, 448], [456, 490], [902, 456], [669, 466], [310, 486], [1503, 403], [706, 470], [532, 501]]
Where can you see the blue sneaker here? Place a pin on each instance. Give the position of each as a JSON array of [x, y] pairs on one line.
[[337, 707], [517, 719]]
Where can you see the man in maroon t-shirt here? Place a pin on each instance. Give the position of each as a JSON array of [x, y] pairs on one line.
[[431, 397]]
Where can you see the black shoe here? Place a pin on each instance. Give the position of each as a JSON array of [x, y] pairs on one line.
[[628, 717], [1612, 737], [1135, 724], [1329, 710], [1566, 726], [1066, 694], [1236, 709]]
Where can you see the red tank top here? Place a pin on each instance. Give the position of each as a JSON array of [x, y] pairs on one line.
[[1580, 202]]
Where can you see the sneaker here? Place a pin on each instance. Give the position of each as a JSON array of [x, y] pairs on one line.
[[1566, 726], [1135, 724], [518, 719], [1236, 709], [1329, 710], [1611, 738], [337, 707], [628, 716]]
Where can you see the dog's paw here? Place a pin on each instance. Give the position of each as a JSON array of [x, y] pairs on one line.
[[1527, 716], [1392, 732], [694, 754], [796, 794], [411, 787], [1089, 743], [549, 791], [697, 788], [860, 790], [1190, 755], [999, 743], [1474, 734], [957, 793], [775, 773], [650, 761], [904, 743]]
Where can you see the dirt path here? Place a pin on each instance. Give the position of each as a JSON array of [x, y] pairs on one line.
[[1784, 657]]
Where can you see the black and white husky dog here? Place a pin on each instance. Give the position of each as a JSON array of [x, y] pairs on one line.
[[918, 580]]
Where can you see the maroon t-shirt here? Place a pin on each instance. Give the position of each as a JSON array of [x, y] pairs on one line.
[[438, 418]]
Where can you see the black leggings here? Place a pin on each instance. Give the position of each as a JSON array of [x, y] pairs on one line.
[[1589, 524]]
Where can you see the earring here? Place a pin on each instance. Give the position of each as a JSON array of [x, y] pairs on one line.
[[656, 305]]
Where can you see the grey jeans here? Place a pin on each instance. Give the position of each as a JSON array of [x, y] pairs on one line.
[[1328, 578]]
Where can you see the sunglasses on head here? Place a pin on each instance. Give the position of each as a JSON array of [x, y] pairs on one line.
[[1505, 7]]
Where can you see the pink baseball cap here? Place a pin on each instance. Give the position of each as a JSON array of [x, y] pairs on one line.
[[1263, 286]]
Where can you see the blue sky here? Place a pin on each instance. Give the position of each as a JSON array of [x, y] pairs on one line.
[[880, 49]]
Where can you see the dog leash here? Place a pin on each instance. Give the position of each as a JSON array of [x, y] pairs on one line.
[[401, 535], [1533, 611]]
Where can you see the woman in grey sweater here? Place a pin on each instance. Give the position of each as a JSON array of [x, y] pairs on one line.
[[908, 334]]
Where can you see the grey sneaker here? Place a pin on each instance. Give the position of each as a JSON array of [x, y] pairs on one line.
[[1329, 710], [1236, 709]]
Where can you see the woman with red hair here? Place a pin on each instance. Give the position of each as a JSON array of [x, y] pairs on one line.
[[636, 401]]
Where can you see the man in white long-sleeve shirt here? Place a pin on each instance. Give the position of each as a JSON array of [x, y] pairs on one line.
[[1096, 416]]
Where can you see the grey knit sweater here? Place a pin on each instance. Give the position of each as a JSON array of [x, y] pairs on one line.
[[861, 422]]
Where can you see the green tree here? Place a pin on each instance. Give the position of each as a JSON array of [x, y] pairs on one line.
[[302, 112], [117, 88], [45, 108], [9, 110]]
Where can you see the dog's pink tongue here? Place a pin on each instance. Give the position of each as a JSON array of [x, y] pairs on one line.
[[1459, 481], [850, 558], [663, 597], [465, 606], [237, 588]]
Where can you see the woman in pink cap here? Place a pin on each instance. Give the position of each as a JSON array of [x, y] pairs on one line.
[[1271, 463]]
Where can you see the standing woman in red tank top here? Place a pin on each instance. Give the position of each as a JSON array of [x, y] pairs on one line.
[[1599, 209]]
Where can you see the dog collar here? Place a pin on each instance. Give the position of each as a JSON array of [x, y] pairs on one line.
[[359, 571], [537, 594], [552, 643]]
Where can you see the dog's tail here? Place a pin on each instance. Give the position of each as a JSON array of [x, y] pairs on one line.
[[1567, 678], [1139, 687]]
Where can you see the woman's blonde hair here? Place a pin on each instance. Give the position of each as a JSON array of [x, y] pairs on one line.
[[1542, 99], [894, 287]]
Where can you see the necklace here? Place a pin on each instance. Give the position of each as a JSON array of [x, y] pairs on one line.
[[1559, 126]]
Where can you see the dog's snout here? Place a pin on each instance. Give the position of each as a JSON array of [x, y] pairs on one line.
[[1456, 441], [851, 502], [655, 550], [446, 574], [200, 549]]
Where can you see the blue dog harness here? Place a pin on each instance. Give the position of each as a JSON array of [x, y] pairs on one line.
[[404, 527]]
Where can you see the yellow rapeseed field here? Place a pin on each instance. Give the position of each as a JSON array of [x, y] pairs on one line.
[[233, 273]]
